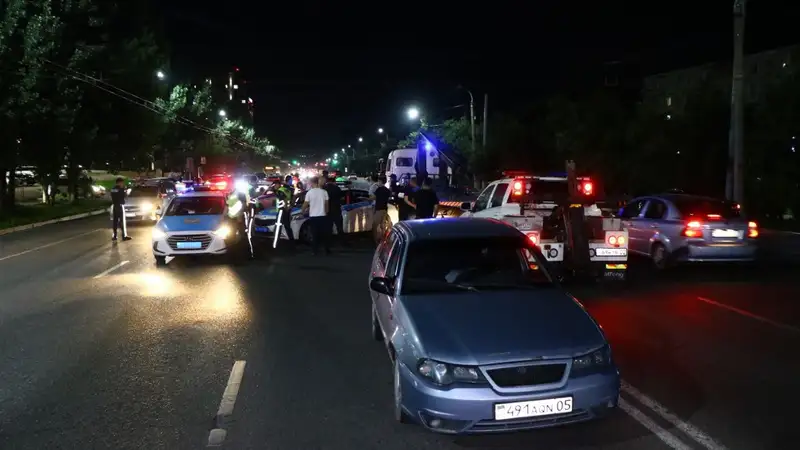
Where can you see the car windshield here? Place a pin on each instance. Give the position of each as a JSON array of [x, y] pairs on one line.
[[702, 207], [145, 191], [196, 206], [474, 264]]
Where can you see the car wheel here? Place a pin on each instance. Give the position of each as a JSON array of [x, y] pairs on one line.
[[161, 261], [305, 233], [377, 333], [399, 413], [660, 256]]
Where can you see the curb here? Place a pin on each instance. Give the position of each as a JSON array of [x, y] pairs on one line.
[[52, 221]]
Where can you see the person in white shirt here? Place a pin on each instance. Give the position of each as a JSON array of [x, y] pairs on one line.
[[316, 205]]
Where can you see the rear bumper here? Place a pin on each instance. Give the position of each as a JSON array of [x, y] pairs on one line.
[[700, 253]]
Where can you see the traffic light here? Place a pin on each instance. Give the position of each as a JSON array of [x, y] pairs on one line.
[[335, 162]]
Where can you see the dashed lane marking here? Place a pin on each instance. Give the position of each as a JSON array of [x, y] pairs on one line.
[[109, 270], [746, 313], [216, 436], [42, 247]]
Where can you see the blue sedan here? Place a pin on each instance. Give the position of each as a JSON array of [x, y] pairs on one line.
[[482, 339]]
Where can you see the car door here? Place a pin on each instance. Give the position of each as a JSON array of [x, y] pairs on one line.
[[653, 223], [392, 272], [482, 203], [630, 216], [379, 269]]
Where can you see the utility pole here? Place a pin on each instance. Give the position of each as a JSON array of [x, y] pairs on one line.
[[472, 118], [734, 182], [485, 116]]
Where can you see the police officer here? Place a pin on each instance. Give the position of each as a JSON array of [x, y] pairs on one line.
[[285, 195], [118, 194]]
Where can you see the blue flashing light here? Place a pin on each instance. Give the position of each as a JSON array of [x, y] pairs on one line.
[[428, 146]]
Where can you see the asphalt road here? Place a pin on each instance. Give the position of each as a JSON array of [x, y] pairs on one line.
[[99, 349]]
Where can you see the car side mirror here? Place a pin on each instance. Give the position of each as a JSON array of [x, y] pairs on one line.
[[466, 206], [382, 285]]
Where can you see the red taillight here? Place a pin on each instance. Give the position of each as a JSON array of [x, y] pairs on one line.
[[615, 240], [534, 237], [694, 229], [587, 188], [752, 230], [714, 217]]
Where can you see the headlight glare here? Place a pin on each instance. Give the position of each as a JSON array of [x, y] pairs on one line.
[[158, 234], [147, 207], [445, 374], [223, 232]]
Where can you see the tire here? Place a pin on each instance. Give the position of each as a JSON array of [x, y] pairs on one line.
[[397, 387], [161, 261], [377, 333], [660, 257]]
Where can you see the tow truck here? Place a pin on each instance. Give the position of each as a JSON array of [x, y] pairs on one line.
[[559, 213]]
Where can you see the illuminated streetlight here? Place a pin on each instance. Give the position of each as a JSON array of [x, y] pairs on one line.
[[161, 75], [380, 130], [348, 145], [360, 139], [413, 113], [343, 149], [222, 113]]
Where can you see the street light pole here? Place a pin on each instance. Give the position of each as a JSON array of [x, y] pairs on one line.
[[472, 118], [734, 185], [485, 116]]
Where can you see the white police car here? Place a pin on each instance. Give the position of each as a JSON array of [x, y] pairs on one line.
[[198, 223]]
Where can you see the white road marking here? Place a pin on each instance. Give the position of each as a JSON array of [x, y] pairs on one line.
[[109, 270], [745, 313], [216, 437], [231, 391], [665, 436], [693, 432], [42, 247]]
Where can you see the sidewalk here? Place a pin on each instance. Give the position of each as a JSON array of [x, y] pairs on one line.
[[26, 217]]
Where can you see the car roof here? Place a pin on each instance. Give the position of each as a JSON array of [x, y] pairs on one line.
[[456, 228], [673, 197], [204, 194]]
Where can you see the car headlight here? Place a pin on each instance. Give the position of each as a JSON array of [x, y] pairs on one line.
[[147, 207], [444, 374], [595, 361], [223, 232], [242, 186], [158, 234]]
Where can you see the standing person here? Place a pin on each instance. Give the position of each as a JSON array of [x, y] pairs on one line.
[[316, 204], [285, 195], [375, 184], [334, 205], [424, 201], [381, 196], [405, 196], [118, 210]]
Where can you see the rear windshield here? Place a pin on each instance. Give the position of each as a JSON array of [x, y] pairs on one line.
[[196, 206], [702, 207], [544, 190], [147, 191], [463, 265]]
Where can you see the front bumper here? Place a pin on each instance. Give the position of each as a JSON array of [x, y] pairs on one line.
[[191, 243], [470, 408]]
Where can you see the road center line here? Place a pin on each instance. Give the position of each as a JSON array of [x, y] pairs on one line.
[[693, 432], [42, 247], [665, 436], [109, 270], [231, 391], [745, 313]]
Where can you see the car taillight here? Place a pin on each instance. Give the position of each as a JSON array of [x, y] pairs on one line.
[[616, 239], [714, 216], [587, 188], [752, 230], [693, 229], [534, 237]]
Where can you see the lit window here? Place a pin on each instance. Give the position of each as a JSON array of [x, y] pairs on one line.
[[236, 86], [244, 101]]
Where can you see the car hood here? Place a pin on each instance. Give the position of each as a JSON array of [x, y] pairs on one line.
[[190, 223], [494, 327]]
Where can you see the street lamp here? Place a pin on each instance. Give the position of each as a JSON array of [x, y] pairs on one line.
[[380, 130], [360, 139], [161, 75], [222, 113], [413, 113], [343, 149]]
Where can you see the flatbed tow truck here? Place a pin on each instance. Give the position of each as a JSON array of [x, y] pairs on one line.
[[561, 216]]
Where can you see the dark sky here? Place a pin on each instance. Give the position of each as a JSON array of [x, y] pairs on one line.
[[322, 75]]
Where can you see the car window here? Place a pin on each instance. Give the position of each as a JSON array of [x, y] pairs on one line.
[[394, 259], [703, 207], [386, 246], [633, 209], [656, 209], [144, 191], [483, 199], [404, 162], [196, 206], [469, 264], [499, 194]]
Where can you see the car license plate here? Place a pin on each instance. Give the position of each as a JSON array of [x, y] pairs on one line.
[[535, 408], [264, 229], [190, 245], [611, 251], [725, 234]]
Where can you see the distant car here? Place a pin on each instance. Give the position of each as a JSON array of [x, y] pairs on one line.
[[677, 228], [145, 199], [480, 336], [198, 223], [220, 182]]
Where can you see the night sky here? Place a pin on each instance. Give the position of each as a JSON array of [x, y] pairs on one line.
[[323, 75]]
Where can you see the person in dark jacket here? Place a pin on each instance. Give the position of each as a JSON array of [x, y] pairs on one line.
[[334, 205], [118, 194]]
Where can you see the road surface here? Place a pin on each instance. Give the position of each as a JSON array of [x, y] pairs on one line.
[[99, 349]]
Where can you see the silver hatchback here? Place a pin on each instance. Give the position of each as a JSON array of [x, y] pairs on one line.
[[676, 228]]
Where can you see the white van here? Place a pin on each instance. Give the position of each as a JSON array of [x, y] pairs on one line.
[[402, 163]]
